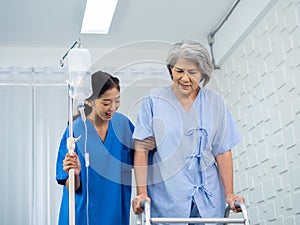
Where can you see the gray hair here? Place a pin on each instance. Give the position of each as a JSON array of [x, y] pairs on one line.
[[192, 51]]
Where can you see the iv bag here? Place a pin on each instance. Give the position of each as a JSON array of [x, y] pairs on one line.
[[80, 87]]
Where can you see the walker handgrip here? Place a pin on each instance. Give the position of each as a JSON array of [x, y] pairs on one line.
[[142, 204], [140, 219], [239, 204], [146, 206]]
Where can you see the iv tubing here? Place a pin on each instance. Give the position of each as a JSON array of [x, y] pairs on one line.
[[87, 162]]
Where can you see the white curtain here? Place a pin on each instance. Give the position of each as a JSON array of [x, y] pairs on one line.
[[33, 117]]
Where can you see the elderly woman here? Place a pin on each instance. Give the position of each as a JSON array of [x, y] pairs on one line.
[[190, 174]]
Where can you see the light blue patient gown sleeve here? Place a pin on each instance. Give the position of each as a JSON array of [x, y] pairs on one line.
[[145, 120], [225, 134]]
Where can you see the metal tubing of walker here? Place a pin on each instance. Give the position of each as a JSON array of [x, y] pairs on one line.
[[226, 220], [197, 220]]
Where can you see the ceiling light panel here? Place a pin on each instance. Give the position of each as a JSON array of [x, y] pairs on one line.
[[98, 16]]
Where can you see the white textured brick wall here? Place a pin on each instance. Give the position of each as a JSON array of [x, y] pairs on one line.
[[261, 84]]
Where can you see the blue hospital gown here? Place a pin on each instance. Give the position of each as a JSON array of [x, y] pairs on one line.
[[109, 174], [183, 168]]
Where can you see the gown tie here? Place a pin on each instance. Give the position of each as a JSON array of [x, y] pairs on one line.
[[201, 148]]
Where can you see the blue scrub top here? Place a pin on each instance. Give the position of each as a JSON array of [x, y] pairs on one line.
[[105, 191], [183, 169]]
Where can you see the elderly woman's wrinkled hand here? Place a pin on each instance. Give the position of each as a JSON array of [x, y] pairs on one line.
[[136, 203], [230, 199]]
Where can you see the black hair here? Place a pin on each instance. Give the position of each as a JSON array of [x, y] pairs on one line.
[[101, 82]]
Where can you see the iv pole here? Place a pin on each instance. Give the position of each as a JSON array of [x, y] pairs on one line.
[[71, 147]]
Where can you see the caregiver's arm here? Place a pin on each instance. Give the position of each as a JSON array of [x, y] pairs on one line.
[[141, 174], [225, 167]]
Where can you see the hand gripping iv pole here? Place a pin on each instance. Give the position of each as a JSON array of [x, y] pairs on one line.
[[78, 84]]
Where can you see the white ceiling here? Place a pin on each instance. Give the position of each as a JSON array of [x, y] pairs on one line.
[[57, 23]]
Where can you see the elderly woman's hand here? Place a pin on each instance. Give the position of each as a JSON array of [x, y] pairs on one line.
[[136, 203], [231, 198]]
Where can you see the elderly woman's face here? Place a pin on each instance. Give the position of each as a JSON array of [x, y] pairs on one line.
[[186, 77]]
